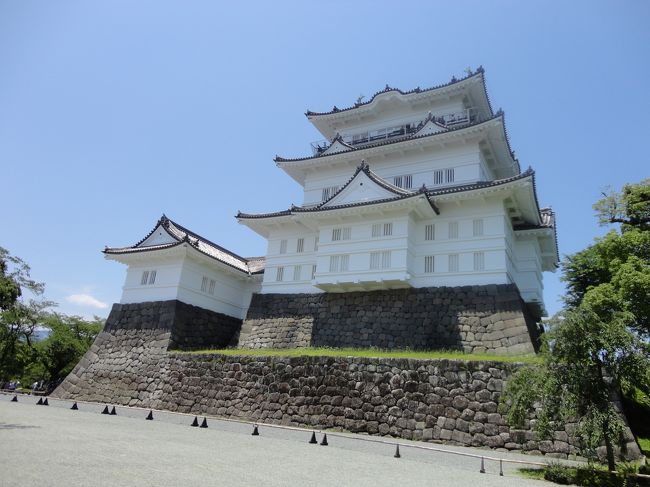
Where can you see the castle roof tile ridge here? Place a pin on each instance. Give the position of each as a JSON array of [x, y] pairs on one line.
[[479, 72], [397, 140]]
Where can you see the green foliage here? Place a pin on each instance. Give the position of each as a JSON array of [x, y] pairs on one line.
[[598, 346], [370, 352], [614, 272], [51, 359], [559, 473]]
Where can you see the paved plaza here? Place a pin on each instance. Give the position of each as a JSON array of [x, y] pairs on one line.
[[55, 446]]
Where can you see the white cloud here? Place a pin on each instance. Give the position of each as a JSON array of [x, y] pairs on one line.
[[86, 300]]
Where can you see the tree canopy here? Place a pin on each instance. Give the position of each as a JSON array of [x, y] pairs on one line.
[[597, 346], [21, 357]]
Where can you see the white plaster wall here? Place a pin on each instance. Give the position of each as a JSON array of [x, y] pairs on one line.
[[464, 158], [527, 267], [180, 278], [232, 293], [492, 243], [168, 274]]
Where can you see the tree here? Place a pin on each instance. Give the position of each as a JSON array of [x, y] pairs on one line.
[[614, 272], [51, 359], [597, 346]]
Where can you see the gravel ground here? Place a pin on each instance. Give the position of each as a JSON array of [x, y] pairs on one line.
[[55, 446]]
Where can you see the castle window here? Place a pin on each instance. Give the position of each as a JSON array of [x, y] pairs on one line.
[[380, 260], [453, 230], [449, 175], [296, 272], [283, 246], [430, 232], [405, 181], [339, 263], [204, 284], [429, 264], [145, 278], [313, 271], [479, 261], [334, 263], [329, 192], [437, 176], [211, 288], [341, 233], [379, 229], [478, 228], [300, 246], [453, 262], [279, 274], [316, 243], [152, 277]]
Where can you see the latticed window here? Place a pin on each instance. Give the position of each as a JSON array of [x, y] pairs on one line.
[[453, 229], [479, 261], [376, 230], [204, 284], [329, 192], [449, 175], [478, 227], [341, 234], [297, 270], [380, 260], [145, 278], [438, 176], [283, 246], [429, 264], [334, 263], [152, 277], [388, 229], [453, 263], [279, 274], [300, 246], [345, 263], [379, 229], [211, 287], [430, 232], [313, 271], [405, 181]]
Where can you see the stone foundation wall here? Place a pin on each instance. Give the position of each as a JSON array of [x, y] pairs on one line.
[[429, 400], [490, 318], [190, 327]]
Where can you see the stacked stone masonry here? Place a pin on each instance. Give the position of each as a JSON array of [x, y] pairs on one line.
[[491, 318], [429, 400]]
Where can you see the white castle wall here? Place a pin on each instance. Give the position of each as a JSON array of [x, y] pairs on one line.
[[182, 277]]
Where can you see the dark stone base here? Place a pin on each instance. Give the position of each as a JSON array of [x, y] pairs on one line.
[[491, 318], [190, 327]]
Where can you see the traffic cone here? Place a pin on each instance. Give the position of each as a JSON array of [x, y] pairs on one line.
[[204, 424], [313, 438], [40, 401], [74, 407], [195, 422], [149, 416], [113, 412], [105, 411], [45, 403], [14, 399], [255, 432], [324, 442], [397, 455]]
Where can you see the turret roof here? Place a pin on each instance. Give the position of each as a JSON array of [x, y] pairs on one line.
[[479, 72], [181, 235]]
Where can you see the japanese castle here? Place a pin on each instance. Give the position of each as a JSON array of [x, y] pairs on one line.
[[409, 189]]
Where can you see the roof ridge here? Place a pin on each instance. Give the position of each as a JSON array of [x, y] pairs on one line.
[[454, 80]]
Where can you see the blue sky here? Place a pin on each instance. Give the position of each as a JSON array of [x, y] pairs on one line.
[[113, 112]]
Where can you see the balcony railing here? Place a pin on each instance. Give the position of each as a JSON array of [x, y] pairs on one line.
[[454, 119]]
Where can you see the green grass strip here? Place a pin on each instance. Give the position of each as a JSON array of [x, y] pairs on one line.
[[370, 353]]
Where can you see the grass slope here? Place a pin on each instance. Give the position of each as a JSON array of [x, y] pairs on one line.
[[369, 352]]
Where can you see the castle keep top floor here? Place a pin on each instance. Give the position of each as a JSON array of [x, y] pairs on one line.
[[436, 137]]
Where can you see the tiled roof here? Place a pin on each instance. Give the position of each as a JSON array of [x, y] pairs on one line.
[[395, 140], [404, 195], [453, 81], [183, 235]]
